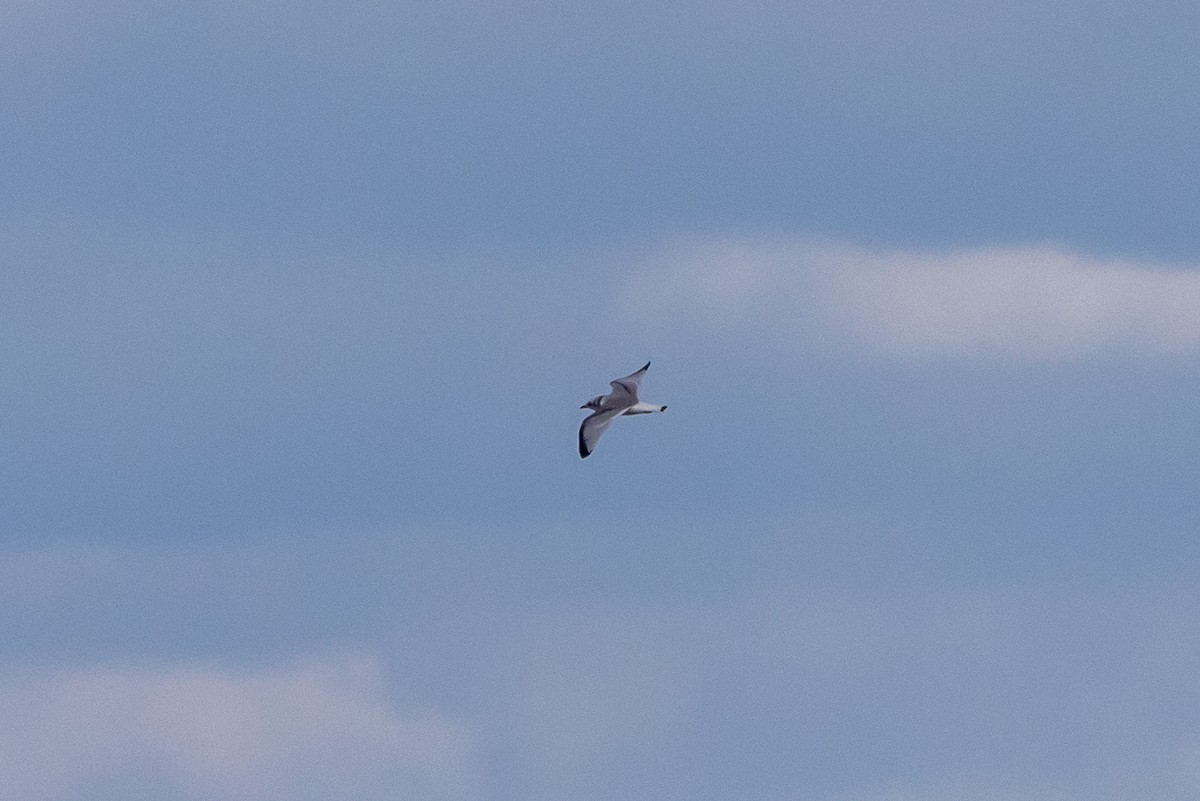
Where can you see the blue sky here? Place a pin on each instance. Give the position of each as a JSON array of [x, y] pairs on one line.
[[299, 302]]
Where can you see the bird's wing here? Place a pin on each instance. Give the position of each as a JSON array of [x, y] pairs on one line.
[[592, 427], [625, 390]]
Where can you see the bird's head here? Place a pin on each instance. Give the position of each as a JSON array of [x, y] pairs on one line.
[[594, 403]]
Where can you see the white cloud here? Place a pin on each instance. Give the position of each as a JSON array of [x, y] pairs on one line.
[[311, 731], [1028, 303]]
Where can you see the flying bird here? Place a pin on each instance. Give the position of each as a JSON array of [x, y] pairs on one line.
[[605, 408]]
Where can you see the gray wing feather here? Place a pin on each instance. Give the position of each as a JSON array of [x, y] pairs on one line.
[[629, 385]]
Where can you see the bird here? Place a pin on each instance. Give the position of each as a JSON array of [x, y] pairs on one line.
[[605, 408]]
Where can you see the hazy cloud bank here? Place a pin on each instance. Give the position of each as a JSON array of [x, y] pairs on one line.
[[322, 730], [831, 659], [1023, 303]]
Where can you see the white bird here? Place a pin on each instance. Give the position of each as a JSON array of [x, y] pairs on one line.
[[605, 408]]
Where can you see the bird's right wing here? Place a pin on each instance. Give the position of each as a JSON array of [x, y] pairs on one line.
[[625, 390], [592, 427]]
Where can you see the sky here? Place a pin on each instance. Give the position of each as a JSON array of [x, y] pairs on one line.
[[299, 302]]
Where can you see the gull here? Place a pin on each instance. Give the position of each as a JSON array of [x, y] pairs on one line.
[[605, 408]]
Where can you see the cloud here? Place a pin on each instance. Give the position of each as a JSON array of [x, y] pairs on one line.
[[319, 730], [833, 658], [1029, 303]]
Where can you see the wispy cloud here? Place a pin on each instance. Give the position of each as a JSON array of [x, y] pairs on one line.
[[1035, 303], [319, 730]]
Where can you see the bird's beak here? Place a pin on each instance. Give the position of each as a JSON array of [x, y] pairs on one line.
[[584, 406]]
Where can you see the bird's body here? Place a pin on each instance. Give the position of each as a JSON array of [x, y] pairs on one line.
[[605, 408]]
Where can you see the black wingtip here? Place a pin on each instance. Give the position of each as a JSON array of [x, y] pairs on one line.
[[647, 367], [583, 451]]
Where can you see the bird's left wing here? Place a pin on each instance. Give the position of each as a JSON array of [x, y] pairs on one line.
[[592, 427]]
